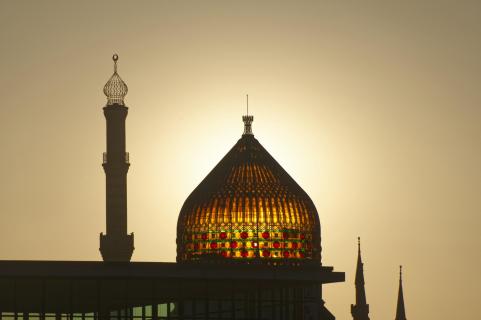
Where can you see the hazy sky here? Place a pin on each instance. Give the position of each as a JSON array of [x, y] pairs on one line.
[[373, 107]]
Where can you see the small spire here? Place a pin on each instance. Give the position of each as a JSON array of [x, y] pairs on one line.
[[360, 267], [360, 310], [400, 273], [248, 120], [400, 309], [115, 89]]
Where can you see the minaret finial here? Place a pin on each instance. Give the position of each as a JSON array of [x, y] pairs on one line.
[[400, 273], [115, 89], [359, 244], [115, 57], [247, 120]]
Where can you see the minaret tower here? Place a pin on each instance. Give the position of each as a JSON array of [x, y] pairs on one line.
[[360, 311], [116, 244], [400, 311]]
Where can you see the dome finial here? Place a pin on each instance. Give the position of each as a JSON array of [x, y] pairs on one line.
[[247, 120], [115, 89], [400, 273], [115, 57], [359, 244]]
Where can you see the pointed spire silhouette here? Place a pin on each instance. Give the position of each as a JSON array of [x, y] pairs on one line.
[[360, 311], [400, 310]]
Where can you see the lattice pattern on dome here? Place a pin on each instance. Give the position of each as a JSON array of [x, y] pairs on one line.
[[248, 208], [115, 89]]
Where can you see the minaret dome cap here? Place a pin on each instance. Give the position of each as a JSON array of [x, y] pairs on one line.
[[115, 89]]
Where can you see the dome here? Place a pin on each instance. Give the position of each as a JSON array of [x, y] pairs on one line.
[[249, 209], [115, 89]]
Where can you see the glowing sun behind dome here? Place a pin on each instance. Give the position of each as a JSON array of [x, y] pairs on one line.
[[249, 209]]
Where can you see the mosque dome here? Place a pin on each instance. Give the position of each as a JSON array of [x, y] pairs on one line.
[[248, 209]]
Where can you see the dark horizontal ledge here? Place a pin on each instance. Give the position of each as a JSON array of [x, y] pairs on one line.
[[166, 270]]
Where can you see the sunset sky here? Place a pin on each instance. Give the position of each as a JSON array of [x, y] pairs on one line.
[[373, 107]]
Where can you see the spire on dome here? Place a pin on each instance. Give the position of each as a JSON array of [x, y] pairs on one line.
[[400, 310], [115, 89], [248, 120], [360, 311]]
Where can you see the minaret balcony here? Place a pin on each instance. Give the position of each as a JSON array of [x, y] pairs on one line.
[[105, 158]]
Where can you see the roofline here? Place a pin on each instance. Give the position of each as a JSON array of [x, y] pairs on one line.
[[166, 270]]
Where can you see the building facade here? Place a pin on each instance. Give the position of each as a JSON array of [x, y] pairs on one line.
[[248, 247]]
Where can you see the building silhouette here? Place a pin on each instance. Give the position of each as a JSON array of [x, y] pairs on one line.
[[116, 244], [360, 311], [248, 248], [400, 311]]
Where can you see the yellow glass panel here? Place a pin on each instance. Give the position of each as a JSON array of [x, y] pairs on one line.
[[241, 211], [204, 215], [279, 210], [227, 212], [213, 210], [285, 210], [274, 213], [253, 210], [235, 213]]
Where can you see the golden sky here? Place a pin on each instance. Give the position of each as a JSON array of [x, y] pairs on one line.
[[374, 108]]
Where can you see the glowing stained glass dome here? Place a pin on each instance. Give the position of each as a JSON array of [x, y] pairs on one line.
[[248, 208]]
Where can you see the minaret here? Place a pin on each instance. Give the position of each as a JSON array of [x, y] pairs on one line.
[[116, 244], [400, 311], [360, 311]]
